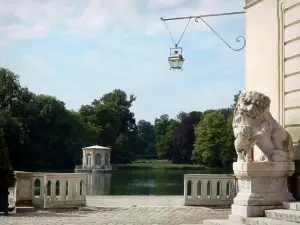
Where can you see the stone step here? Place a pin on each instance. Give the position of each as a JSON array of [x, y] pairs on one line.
[[192, 224], [267, 221], [24, 209], [251, 221], [284, 214], [292, 206], [220, 222]]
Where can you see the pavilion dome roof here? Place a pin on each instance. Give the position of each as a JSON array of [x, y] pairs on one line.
[[96, 147]]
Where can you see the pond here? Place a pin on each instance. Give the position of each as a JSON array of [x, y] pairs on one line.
[[139, 182]]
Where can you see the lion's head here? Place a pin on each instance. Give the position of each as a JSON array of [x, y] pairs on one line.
[[252, 104]]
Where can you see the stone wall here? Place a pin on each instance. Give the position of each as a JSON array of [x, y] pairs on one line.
[[291, 36], [273, 59]]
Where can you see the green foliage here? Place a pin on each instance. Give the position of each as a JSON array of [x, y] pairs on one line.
[[210, 134], [38, 132], [228, 153], [235, 100], [146, 140], [152, 165], [112, 120], [184, 137], [164, 131], [10, 86], [7, 175]]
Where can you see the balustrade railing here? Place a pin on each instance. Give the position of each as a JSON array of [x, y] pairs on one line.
[[93, 167], [49, 190], [65, 190], [209, 189]]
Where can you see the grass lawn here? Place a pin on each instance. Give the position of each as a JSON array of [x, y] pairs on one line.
[[156, 164]]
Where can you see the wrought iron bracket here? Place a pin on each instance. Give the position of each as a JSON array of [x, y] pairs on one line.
[[200, 17]]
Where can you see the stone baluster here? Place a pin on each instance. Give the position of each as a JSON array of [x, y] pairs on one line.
[[223, 189], [213, 189], [194, 189], [62, 190], [78, 188], [70, 190], [84, 185], [204, 188], [52, 188]]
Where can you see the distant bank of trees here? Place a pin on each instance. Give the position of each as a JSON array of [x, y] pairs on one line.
[[39, 132]]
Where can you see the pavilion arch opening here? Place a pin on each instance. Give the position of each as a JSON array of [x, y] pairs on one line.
[[88, 159], [98, 159], [106, 163]]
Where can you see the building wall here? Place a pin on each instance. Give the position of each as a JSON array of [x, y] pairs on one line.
[[273, 58], [292, 67], [262, 64]]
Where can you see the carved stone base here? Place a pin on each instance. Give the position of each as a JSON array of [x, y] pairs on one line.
[[261, 186]]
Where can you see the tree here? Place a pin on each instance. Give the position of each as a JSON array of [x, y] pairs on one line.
[[112, 119], [81, 134], [181, 116], [9, 87], [39, 132], [235, 100], [7, 176], [228, 153], [103, 118], [164, 131], [146, 142], [122, 105], [226, 112], [210, 134], [184, 137]]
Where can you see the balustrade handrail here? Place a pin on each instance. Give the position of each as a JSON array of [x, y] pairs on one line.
[[214, 176], [51, 190], [209, 189], [92, 166]]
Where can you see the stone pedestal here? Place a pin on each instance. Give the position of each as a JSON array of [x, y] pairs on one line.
[[261, 186]]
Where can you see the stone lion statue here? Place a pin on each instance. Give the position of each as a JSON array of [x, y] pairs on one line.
[[253, 125]]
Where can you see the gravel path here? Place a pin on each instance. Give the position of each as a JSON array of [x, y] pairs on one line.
[[119, 210]]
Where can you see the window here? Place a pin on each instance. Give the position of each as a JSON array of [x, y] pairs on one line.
[[88, 160], [98, 159], [106, 159]]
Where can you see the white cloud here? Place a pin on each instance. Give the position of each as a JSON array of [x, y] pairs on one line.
[[22, 32], [30, 18], [37, 17], [98, 14], [166, 3]]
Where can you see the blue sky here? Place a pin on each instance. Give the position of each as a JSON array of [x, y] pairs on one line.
[[77, 50]]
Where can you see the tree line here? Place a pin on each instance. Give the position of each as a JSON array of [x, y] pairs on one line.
[[39, 132]]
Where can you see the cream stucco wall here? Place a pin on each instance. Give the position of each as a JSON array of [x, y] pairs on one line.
[[292, 67], [262, 66], [273, 58]]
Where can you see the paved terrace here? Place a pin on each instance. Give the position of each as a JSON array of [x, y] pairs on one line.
[[121, 210]]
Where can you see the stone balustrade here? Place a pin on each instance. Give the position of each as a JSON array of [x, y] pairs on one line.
[[49, 190], [93, 167], [209, 189], [88, 168]]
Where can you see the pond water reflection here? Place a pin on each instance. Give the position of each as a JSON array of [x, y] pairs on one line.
[[139, 182]]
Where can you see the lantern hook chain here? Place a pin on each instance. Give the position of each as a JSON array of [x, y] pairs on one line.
[[176, 44], [237, 39]]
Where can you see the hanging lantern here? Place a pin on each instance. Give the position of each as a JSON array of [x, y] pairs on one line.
[[175, 59]]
